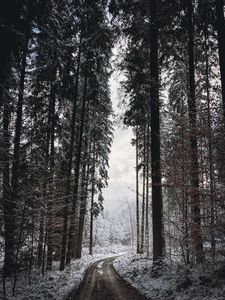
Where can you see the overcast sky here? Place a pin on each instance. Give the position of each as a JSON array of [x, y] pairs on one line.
[[122, 157]]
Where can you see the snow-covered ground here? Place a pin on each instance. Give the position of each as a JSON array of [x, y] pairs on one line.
[[176, 283], [56, 285]]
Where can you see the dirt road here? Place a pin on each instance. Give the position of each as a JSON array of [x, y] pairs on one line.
[[103, 283]]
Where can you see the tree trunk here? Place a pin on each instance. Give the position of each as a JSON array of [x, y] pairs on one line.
[[8, 208], [17, 139], [43, 236], [143, 194], [184, 190], [32, 249], [8, 19], [51, 183], [83, 205], [40, 240], [92, 204], [18, 247], [147, 192], [157, 204], [137, 193], [192, 110], [69, 167], [44, 249], [77, 175], [210, 150], [221, 45], [4, 67]]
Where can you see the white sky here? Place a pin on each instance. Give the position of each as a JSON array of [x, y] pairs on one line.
[[122, 157]]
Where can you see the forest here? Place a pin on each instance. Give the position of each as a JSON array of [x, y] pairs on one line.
[[57, 124]]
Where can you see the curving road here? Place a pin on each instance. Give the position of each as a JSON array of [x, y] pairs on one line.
[[103, 283]]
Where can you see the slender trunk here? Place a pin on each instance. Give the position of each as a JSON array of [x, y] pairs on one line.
[[210, 151], [84, 188], [92, 204], [44, 248], [83, 204], [45, 203], [192, 110], [42, 235], [32, 217], [147, 192], [41, 239], [32, 249], [221, 44], [52, 165], [143, 194], [77, 175], [8, 208], [49, 234], [16, 154], [18, 247], [69, 167], [157, 204], [4, 67], [131, 226], [184, 191], [8, 21], [19, 114], [137, 194]]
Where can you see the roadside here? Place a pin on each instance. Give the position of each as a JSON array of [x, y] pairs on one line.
[[55, 285], [176, 282]]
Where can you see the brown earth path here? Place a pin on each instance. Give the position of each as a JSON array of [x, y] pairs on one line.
[[103, 283]]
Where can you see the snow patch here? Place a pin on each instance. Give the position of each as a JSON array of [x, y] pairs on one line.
[[56, 285], [176, 282]]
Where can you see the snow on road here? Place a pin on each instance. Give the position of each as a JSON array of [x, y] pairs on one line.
[[103, 283]]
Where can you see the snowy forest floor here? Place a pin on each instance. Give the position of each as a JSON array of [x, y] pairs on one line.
[[176, 282], [56, 285]]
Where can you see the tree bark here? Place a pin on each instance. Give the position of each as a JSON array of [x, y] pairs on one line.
[[221, 45], [4, 67], [18, 247], [40, 239], [184, 190], [157, 204], [77, 175], [15, 166], [147, 191], [192, 110], [210, 150], [44, 218], [83, 205], [137, 193], [92, 204], [52, 165], [8, 208], [69, 167], [143, 194], [19, 115]]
